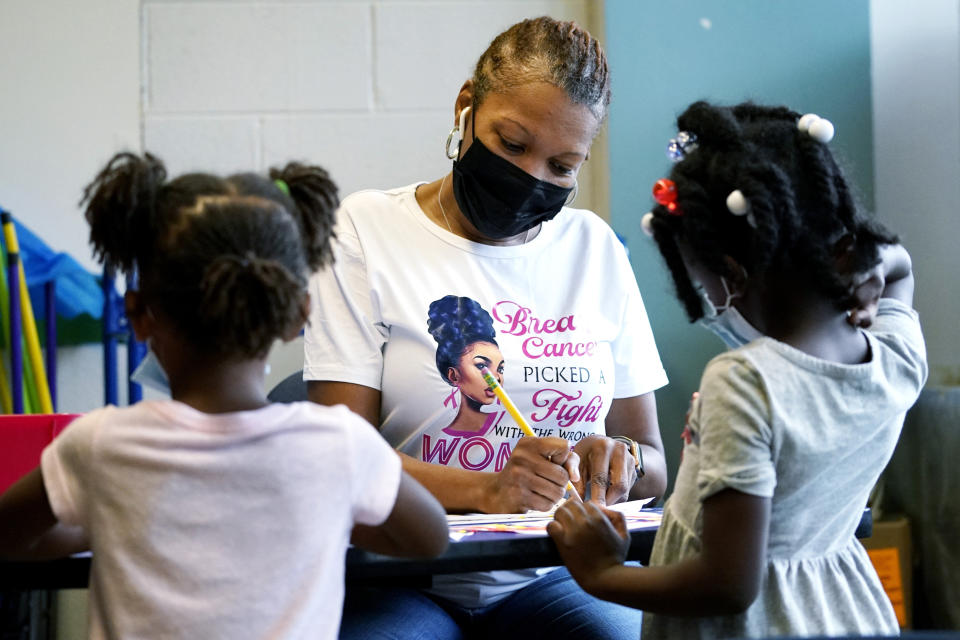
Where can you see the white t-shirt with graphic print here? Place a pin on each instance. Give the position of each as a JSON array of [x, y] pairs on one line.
[[569, 322]]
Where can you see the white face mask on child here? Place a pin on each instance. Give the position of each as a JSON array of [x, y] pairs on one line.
[[725, 321], [150, 373]]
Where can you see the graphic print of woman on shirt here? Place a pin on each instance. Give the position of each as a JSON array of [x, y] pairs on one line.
[[466, 342]]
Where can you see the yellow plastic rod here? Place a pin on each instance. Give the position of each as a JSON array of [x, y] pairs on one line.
[[6, 399], [29, 324]]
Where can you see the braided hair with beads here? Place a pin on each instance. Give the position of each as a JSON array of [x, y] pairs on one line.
[[803, 217]]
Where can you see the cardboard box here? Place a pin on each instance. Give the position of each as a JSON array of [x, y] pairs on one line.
[[889, 550]]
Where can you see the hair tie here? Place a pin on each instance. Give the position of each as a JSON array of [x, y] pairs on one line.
[[683, 144], [738, 205], [665, 193], [820, 129], [282, 185], [646, 223], [244, 261]]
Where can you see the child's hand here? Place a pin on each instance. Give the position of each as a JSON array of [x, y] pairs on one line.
[[892, 277], [590, 538], [865, 297]]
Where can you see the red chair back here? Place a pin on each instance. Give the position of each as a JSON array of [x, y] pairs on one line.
[[23, 438]]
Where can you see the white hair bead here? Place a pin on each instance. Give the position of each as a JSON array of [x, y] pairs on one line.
[[821, 130], [646, 223], [737, 203], [806, 120]]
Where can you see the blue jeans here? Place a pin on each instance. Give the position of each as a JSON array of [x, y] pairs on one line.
[[553, 607]]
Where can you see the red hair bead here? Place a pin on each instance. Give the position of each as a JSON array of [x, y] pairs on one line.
[[665, 193]]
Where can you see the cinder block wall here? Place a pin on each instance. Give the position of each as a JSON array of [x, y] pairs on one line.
[[365, 89]]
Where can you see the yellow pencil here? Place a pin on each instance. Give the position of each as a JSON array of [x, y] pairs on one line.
[[515, 414]]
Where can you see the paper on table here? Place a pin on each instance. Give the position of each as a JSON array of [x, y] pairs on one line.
[[535, 522]]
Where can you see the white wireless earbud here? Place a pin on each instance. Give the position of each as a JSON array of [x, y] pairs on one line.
[[463, 120]]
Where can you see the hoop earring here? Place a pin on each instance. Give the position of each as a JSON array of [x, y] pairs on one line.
[[456, 131], [573, 195], [453, 132]]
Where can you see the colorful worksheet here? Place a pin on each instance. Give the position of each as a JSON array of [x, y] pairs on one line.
[[535, 522]]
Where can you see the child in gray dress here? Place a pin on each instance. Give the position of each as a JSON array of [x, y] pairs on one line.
[[790, 428]]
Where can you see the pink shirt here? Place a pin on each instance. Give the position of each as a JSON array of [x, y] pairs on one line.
[[219, 526]]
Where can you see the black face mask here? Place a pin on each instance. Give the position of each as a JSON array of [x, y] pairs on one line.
[[499, 198]]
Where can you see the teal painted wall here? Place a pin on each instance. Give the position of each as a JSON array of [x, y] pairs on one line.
[[664, 54]]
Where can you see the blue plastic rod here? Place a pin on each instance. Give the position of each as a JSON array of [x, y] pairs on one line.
[[109, 340], [135, 352], [50, 289], [16, 346]]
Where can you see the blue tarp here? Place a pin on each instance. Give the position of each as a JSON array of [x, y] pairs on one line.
[[78, 291]]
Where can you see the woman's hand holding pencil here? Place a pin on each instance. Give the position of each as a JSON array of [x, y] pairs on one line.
[[526, 482], [533, 479]]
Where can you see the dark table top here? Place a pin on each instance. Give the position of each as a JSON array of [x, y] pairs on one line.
[[479, 552]]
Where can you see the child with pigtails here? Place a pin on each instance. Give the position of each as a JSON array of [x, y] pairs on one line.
[[216, 514], [792, 426]]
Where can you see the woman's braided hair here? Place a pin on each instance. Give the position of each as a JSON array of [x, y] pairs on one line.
[[546, 50], [803, 216], [225, 259]]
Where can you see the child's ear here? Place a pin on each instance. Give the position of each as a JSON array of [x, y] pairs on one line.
[[137, 315], [736, 273], [304, 319]]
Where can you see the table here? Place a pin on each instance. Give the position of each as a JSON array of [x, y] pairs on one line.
[[480, 552]]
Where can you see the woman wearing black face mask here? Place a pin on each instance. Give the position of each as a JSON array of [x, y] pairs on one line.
[[578, 354]]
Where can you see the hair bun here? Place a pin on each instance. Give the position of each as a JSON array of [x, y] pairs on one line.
[[249, 300], [713, 126], [456, 322], [121, 204], [314, 195]]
